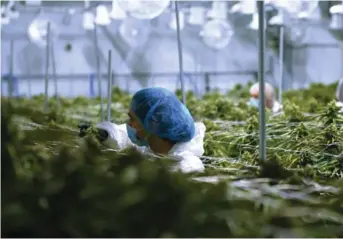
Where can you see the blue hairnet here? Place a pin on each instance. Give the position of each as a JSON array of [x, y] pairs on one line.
[[163, 114]]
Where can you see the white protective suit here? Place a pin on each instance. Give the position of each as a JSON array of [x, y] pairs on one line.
[[340, 104], [187, 154], [277, 107]]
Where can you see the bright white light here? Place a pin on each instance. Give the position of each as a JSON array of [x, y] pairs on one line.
[[117, 13], [244, 7], [337, 9], [337, 16], [102, 16], [88, 21], [196, 16], [172, 23], [37, 31], [143, 9], [218, 10], [217, 34]]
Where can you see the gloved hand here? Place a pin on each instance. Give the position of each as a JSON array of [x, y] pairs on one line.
[[102, 134], [83, 128]]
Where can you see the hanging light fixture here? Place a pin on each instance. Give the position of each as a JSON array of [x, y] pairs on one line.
[[102, 16], [143, 9], [196, 16], [297, 9], [12, 12], [218, 10], [37, 31], [217, 34], [117, 13], [88, 21], [254, 25], [306, 9], [254, 22], [172, 23], [336, 12], [300, 11], [247, 7], [88, 17], [4, 18]]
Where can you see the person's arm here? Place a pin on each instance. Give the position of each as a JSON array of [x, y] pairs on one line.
[[189, 153], [117, 135]]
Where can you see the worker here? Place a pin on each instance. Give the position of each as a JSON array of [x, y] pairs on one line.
[[339, 94], [271, 103], [159, 123]]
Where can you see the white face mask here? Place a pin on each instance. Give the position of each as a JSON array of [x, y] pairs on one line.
[[132, 133]]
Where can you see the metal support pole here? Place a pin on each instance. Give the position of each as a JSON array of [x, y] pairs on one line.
[[47, 63], [207, 83], [179, 48], [281, 49], [109, 85], [128, 85], [54, 74], [28, 70], [10, 80], [113, 79], [98, 72], [29, 87], [261, 71]]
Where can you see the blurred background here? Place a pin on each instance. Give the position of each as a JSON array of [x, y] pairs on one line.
[[219, 44]]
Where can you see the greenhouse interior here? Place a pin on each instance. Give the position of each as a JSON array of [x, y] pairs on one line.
[[161, 118]]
